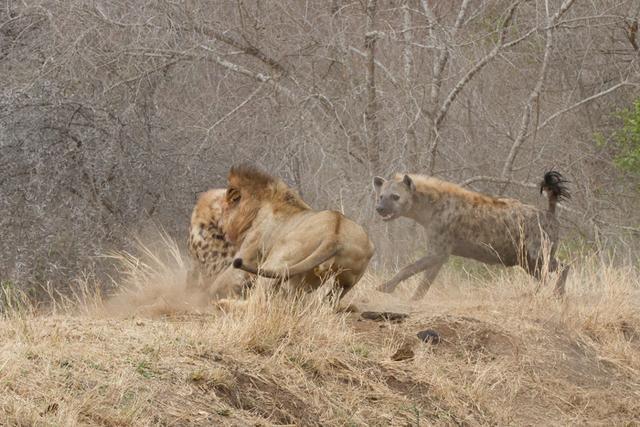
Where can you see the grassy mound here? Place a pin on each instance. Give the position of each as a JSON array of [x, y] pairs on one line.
[[157, 355]]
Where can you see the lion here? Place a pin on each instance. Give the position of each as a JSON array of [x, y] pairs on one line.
[[280, 237], [211, 252], [473, 225]]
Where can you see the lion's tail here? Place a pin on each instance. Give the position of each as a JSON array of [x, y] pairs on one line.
[[554, 185], [324, 252]]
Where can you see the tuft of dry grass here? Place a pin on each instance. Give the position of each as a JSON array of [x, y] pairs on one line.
[[153, 282], [156, 354]]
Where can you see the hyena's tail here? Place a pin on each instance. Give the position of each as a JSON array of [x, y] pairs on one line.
[[554, 185]]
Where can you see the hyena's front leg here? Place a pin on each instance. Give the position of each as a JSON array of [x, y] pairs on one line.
[[429, 276], [424, 263]]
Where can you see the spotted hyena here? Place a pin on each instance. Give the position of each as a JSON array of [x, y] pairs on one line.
[[211, 252], [473, 225]]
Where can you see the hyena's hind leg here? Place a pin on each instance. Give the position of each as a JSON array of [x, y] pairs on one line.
[[555, 265], [535, 266]]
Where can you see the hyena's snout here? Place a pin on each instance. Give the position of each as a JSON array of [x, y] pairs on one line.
[[385, 211]]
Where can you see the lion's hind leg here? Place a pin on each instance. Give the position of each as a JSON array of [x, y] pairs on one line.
[[339, 284], [230, 283]]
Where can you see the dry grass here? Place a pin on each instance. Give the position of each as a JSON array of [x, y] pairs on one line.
[[155, 355]]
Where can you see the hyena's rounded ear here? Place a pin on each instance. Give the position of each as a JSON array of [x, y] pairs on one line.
[[409, 183], [377, 182]]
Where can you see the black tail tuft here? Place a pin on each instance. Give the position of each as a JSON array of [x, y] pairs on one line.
[[554, 185]]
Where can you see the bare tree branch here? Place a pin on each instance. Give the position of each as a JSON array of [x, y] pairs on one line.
[[535, 93], [477, 67], [438, 68], [407, 57], [581, 103], [370, 115], [378, 64], [497, 180], [144, 74], [247, 48], [225, 117], [444, 49], [411, 140]]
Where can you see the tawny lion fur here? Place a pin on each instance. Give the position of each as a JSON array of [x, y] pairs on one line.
[[473, 225], [280, 237], [211, 252]]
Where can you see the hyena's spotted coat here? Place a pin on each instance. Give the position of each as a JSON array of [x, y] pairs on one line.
[[211, 252], [207, 244], [473, 225]]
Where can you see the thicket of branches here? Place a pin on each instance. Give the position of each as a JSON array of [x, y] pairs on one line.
[[116, 113]]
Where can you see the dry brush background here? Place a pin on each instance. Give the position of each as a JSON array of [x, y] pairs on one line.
[[115, 114]]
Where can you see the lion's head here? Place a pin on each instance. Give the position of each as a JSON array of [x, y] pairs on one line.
[[249, 190]]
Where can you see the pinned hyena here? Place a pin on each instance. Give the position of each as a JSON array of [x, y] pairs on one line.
[[211, 252], [473, 225]]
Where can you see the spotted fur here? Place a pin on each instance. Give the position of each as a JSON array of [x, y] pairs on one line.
[[209, 249], [211, 252], [473, 225]]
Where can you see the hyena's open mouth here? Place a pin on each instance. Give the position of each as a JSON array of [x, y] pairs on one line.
[[388, 217]]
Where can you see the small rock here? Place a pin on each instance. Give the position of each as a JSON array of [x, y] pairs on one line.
[[429, 336], [380, 316], [351, 308]]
